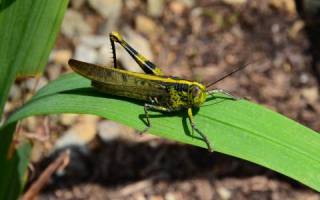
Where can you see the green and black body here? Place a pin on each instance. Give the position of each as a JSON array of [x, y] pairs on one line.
[[159, 92]]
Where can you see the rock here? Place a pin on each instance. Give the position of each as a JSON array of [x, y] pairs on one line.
[[224, 193], [80, 134], [170, 196], [8, 107], [235, 2], [31, 123], [69, 138], [188, 3], [86, 127], [105, 55], [95, 41], [68, 119], [61, 56], [86, 53], [33, 82], [295, 29], [287, 5], [311, 94], [76, 4], [304, 78], [96, 48], [73, 24], [137, 42], [15, 93], [132, 5], [53, 71], [109, 130], [106, 27], [155, 7], [177, 7], [156, 197], [203, 189], [108, 9], [145, 25]]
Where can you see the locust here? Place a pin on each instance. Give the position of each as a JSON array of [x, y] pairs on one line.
[[159, 92]]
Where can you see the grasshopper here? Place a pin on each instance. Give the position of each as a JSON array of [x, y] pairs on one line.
[[159, 92]]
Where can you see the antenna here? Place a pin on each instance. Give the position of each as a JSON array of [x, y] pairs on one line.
[[230, 73]]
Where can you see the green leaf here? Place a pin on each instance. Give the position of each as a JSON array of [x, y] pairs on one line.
[[27, 35], [238, 128], [13, 166]]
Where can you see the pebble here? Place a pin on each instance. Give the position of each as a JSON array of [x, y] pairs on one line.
[[86, 53], [106, 27], [31, 123], [295, 29], [60, 56], [33, 82], [155, 7], [224, 193], [156, 197], [8, 107], [107, 9], [70, 138], [15, 93], [170, 196], [287, 5], [74, 25], [177, 7], [68, 119], [80, 134], [235, 2], [311, 94], [109, 130], [203, 189], [95, 41], [131, 5], [53, 71], [105, 55], [188, 3], [304, 78], [145, 25], [76, 4], [96, 49], [139, 43]]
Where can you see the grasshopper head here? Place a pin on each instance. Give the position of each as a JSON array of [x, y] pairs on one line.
[[197, 94]]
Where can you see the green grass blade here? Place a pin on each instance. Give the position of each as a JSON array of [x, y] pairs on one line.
[[13, 167], [238, 128], [27, 34]]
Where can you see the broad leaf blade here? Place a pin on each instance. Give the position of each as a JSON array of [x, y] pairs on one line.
[[27, 35], [238, 128], [13, 164]]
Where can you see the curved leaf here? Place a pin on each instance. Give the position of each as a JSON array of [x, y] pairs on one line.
[[238, 128], [27, 34]]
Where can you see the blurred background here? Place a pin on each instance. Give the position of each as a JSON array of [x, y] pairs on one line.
[[198, 40]]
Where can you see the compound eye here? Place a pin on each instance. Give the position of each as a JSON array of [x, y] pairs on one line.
[[195, 91]]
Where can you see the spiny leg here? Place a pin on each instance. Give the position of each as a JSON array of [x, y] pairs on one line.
[[147, 107], [225, 92], [203, 136], [147, 66], [113, 47]]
